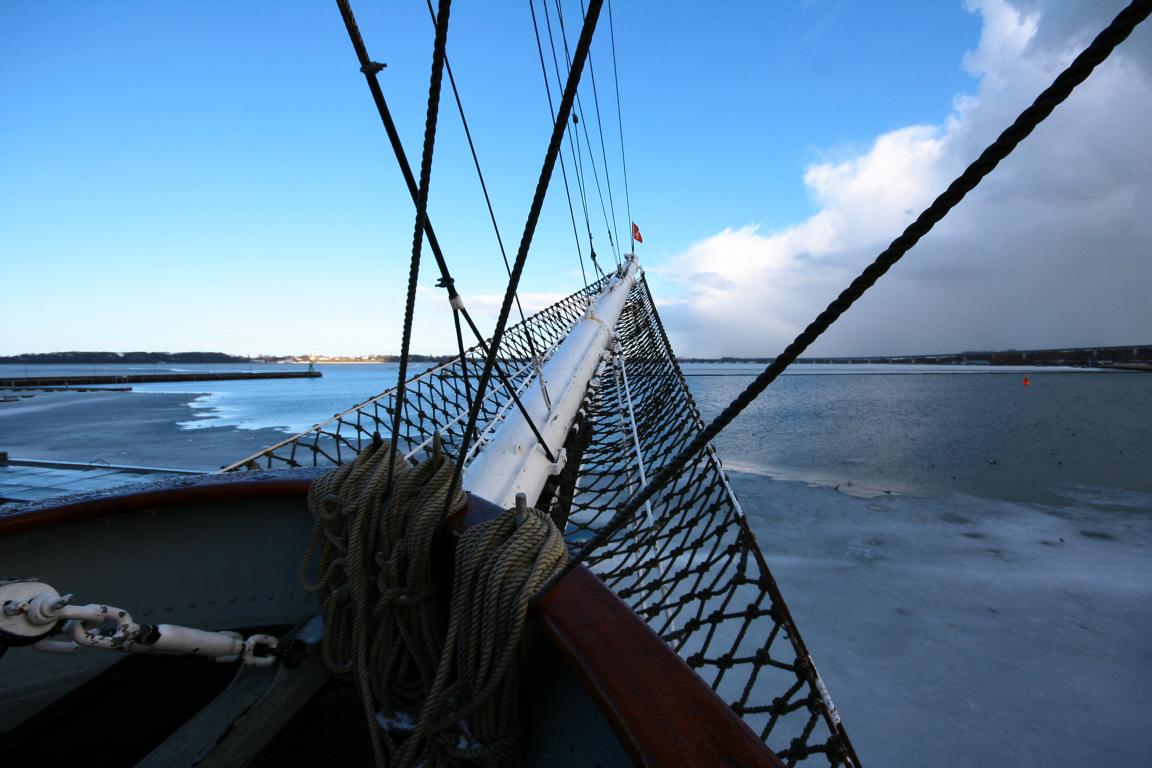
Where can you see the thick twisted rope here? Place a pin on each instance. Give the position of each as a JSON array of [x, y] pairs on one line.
[[1076, 73], [385, 629], [372, 554], [435, 81], [500, 565]]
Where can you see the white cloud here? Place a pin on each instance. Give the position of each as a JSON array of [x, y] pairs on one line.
[[1052, 249]]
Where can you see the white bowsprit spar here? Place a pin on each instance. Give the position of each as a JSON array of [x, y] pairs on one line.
[[509, 459]]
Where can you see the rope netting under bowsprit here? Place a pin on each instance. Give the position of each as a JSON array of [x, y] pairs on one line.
[[436, 401], [688, 563]]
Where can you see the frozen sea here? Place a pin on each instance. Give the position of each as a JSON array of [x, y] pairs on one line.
[[968, 557]]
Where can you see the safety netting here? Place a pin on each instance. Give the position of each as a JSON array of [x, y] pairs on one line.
[[687, 564], [437, 400]]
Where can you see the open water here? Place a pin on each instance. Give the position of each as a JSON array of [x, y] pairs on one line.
[[968, 557], [919, 430]]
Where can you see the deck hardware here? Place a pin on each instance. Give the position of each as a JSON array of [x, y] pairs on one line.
[[33, 612]]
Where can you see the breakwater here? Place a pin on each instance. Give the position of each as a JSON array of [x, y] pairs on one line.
[[150, 378]]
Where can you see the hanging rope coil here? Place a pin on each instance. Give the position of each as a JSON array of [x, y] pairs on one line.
[[447, 681], [372, 548], [474, 717]]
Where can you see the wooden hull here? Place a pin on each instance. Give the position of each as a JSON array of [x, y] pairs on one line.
[[190, 554], [223, 552]]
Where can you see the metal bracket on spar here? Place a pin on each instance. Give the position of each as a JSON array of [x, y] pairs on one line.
[[561, 461]]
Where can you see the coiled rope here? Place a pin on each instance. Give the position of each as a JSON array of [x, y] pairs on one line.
[[500, 565], [447, 681]]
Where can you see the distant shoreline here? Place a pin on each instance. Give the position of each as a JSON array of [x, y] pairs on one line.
[[1133, 357]]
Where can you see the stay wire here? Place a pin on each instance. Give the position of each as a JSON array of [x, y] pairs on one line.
[[536, 360], [573, 137], [558, 129], [615, 228], [371, 69], [463, 357], [584, 128], [620, 124], [563, 169], [1076, 72]]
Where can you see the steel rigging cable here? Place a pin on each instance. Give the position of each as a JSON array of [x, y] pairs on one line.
[[584, 126], [563, 168], [620, 124], [614, 231], [573, 137], [536, 360]]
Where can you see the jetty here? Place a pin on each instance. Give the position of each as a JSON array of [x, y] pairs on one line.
[[149, 378]]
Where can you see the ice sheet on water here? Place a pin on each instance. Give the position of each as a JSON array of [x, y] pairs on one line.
[[958, 631], [1096, 496]]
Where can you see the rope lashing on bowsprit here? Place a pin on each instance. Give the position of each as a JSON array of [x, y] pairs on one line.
[[438, 687]]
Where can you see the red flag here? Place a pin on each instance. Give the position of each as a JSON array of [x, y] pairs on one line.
[[636, 233]]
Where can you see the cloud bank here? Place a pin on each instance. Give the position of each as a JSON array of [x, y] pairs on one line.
[[1052, 249]]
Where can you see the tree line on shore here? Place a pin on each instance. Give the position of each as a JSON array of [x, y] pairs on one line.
[[121, 358], [1139, 355], [89, 358]]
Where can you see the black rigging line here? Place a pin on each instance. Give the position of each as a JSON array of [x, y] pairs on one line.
[[1076, 73], [558, 129], [371, 69], [563, 169], [620, 123], [584, 127], [435, 81], [574, 136], [463, 358], [409, 304]]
